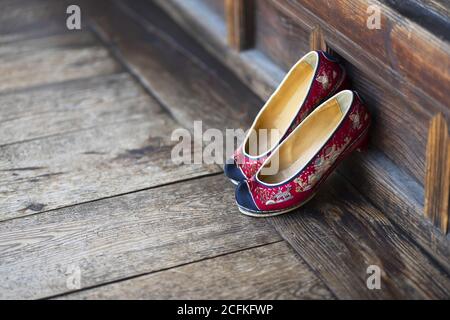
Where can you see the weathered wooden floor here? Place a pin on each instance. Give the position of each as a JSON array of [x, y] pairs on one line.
[[86, 179]]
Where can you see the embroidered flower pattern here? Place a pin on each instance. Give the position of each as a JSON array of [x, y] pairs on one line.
[[264, 195], [323, 79], [280, 196], [320, 166], [356, 123], [301, 185]]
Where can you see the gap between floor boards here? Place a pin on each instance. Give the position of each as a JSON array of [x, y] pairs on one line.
[[159, 270]]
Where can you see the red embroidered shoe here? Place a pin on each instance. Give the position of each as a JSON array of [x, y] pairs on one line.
[[306, 158], [311, 80]]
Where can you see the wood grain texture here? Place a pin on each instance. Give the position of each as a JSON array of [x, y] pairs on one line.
[[430, 14], [269, 272], [392, 131], [401, 109], [317, 40], [399, 127], [437, 181], [398, 104], [53, 59], [399, 196], [239, 19], [251, 66], [339, 21], [184, 78], [339, 234], [27, 19], [401, 106], [71, 106], [108, 157], [124, 236], [406, 51], [272, 28]]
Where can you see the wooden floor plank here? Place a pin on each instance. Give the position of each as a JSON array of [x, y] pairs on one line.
[[71, 106], [46, 60], [124, 236], [89, 139], [340, 234], [401, 198], [269, 272], [86, 165], [174, 67]]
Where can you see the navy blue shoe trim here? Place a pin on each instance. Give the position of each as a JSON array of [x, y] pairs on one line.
[[244, 198], [233, 172]]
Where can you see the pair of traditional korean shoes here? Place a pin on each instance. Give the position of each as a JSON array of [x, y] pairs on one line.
[[320, 122]]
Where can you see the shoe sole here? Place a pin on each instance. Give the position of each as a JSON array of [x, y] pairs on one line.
[[267, 214], [234, 182]]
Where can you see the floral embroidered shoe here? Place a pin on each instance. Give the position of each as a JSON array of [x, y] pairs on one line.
[[306, 158], [311, 80]]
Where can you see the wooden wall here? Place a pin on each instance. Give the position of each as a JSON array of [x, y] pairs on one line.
[[402, 70]]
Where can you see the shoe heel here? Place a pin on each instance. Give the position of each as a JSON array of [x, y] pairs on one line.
[[363, 143], [345, 85]]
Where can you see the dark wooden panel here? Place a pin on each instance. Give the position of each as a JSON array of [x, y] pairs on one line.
[[399, 127], [269, 272], [400, 117], [401, 51], [339, 234], [401, 111], [401, 107], [124, 236], [431, 14], [274, 30]]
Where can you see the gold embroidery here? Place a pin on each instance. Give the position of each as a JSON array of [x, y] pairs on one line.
[[323, 79], [281, 196], [321, 165]]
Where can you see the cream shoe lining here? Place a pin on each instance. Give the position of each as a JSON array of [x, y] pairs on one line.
[[283, 106], [301, 146]]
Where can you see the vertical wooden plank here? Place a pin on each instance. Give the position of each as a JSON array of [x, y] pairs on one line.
[[437, 177], [239, 16], [317, 40]]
